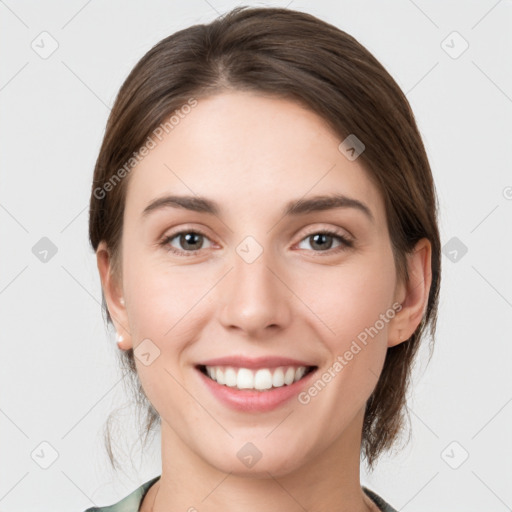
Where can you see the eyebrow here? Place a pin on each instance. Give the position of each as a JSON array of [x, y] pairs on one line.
[[292, 208]]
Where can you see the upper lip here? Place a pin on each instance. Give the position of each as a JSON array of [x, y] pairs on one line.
[[258, 362]]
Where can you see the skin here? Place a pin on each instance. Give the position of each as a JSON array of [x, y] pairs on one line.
[[252, 154]]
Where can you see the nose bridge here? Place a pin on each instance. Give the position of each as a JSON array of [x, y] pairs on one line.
[[255, 298]]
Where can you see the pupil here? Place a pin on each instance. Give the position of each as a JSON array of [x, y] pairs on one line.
[[188, 242], [322, 245]]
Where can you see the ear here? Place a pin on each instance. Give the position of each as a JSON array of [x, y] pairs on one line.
[[112, 291], [413, 295]]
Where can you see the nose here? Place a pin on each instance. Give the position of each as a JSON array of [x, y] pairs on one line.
[[254, 298]]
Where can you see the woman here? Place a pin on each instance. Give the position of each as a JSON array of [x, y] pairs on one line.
[[265, 224]]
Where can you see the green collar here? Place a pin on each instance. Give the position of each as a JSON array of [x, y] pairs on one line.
[[133, 501]]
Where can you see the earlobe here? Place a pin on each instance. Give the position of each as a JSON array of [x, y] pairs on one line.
[[415, 294], [113, 297], [121, 343]]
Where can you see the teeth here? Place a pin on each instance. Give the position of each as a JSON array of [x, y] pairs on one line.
[[289, 376], [278, 378], [262, 379], [230, 377], [300, 372], [219, 376], [245, 379]]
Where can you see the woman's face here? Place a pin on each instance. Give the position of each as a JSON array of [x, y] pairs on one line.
[[247, 280]]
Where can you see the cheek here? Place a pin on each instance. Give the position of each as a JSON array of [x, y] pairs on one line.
[[350, 300], [168, 308], [349, 319], [161, 294]]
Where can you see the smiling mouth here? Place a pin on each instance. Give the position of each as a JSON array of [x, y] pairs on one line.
[[263, 379]]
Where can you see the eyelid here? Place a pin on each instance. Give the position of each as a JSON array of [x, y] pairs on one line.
[[181, 228], [168, 236], [346, 238], [331, 229], [346, 242]]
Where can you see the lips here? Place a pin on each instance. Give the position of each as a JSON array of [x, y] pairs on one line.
[[258, 384], [254, 363], [261, 379], [258, 395], [261, 373]]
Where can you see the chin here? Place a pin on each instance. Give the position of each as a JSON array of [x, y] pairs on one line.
[[277, 465]]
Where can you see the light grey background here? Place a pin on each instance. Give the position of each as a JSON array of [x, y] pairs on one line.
[[59, 376]]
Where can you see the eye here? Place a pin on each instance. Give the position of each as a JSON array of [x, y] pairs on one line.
[[190, 241], [324, 240]]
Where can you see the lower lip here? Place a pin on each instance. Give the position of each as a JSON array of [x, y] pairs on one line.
[[248, 400]]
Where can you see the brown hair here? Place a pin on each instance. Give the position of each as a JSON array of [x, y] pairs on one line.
[[293, 55]]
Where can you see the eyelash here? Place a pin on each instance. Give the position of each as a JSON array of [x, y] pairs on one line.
[[346, 243]]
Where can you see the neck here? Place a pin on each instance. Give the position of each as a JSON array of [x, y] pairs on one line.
[[327, 481]]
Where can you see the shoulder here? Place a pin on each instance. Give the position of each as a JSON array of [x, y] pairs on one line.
[[383, 505], [130, 503]]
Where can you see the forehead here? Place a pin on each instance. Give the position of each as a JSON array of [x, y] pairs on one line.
[[249, 152]]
